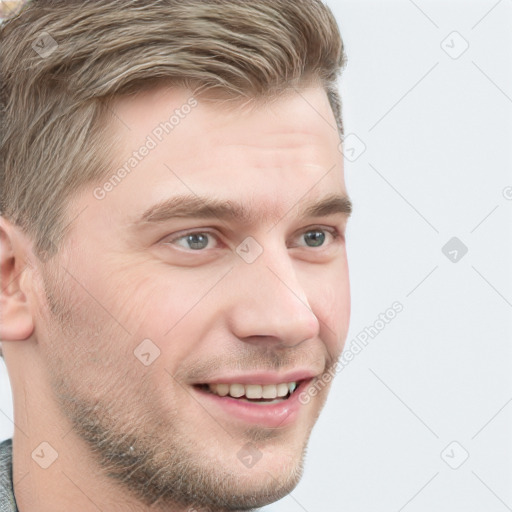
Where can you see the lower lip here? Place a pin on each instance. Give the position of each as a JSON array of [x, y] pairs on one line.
[[275, 415]]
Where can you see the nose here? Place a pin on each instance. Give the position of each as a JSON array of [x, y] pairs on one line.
[[270, 304]]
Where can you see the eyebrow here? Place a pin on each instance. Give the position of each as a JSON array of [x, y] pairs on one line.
[[193, 206]]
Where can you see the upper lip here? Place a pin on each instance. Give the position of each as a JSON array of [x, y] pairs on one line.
[[264, 378]]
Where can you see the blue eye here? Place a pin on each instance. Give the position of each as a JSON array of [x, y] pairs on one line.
[[198, 240], [318, 237]]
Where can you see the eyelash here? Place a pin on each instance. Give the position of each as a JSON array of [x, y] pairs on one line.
[[334, 232]]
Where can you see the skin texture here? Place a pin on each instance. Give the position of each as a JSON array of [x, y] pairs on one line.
[[133, 437]]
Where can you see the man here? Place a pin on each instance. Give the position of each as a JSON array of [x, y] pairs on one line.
[[175, 289]]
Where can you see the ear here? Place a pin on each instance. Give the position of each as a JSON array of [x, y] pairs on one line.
[[16, 322]]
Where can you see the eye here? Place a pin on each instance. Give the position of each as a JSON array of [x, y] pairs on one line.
[[316, 237], [196, 241]]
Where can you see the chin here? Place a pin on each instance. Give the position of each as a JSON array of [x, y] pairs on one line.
[[268, 486], [269, 476]]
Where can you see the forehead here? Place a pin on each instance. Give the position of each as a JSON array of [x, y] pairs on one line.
[[208, 118], [257, 160]]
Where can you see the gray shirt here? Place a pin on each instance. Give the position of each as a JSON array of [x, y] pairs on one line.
[[7, 501]]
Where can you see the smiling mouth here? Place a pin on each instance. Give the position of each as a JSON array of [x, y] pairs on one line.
[[253, 393]]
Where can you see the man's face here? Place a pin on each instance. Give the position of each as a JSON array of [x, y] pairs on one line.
[[151, 313]]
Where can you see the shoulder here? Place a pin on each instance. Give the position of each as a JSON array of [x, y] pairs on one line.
[[7, 503]]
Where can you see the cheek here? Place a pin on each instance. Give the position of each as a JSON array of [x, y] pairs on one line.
[[332, 306], [135, 297], [156, 305], [164, 308]]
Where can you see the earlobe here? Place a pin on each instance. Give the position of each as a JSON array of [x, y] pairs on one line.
[[16, 321]]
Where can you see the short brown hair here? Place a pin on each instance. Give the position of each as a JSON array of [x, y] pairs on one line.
[[54, 102]]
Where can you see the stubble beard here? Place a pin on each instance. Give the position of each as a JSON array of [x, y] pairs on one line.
[[144, 453]]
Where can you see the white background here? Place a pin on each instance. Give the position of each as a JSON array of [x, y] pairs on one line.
[[437, 132]]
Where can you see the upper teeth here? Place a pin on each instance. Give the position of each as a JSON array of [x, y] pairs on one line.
[[253, 390]]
